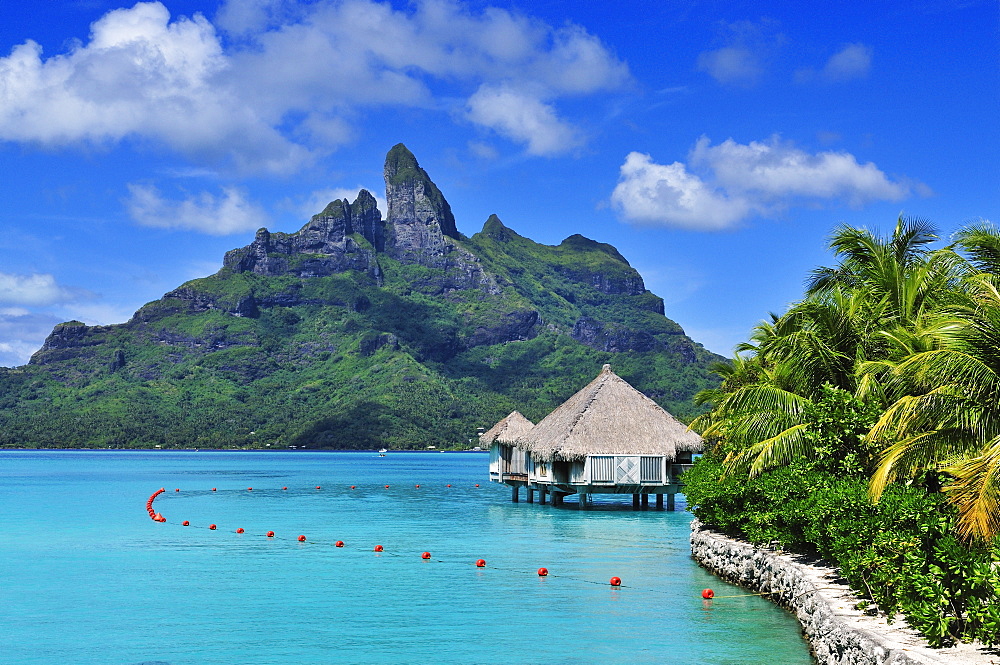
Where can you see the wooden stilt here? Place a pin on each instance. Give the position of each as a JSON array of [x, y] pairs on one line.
[[670, 501], [645, 501], [531, 495], [584, 501], [515, 492], [541, 497], [659, 502], [635, 502]]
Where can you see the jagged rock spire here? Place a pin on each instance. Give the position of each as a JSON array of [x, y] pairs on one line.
[[419, 216]]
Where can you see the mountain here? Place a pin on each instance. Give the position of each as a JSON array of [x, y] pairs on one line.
[[357, 332]]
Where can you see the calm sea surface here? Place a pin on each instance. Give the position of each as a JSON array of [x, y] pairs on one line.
[[87, 577]]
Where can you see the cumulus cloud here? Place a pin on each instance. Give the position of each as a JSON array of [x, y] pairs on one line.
[[34, 289], [776, 169], [139, 75], [732, 65], [220, 215], [853, 61], [724, 184], [668, 194], [252, 104], [742, 60], [523, 118]]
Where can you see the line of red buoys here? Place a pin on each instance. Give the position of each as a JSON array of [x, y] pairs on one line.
[[615, 581]]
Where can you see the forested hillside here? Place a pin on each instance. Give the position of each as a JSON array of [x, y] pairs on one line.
[[357, 332]]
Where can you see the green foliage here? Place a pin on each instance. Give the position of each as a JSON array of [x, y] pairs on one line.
[[838, 423], [901, 553], [346, 361]]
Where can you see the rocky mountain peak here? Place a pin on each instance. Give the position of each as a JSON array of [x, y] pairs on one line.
[[419, 217]]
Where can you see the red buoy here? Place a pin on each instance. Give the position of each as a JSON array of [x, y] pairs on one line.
[[178, 489], [302, 539], [185, 523], [708, 594], [449, 484], [270, 534], [480, 563], [387, 487], [418, 486], [352, 487], [239, 530], [425, 555], [542, 572], [212, 527], [284, 488], [161, 518], [339, 543], [378, 548], [249, 489], [477, 484], [616, 581], [213, 489], [317, 487]]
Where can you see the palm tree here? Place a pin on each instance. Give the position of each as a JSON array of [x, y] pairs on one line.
[[764, 406], [946, 415]]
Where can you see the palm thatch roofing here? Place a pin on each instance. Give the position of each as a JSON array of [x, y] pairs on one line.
[[609, 417], [507, 430]]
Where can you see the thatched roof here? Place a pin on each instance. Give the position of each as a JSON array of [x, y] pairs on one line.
[[507, 430], [609, 417]]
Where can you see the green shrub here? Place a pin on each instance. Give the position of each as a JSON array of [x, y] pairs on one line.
[[900, 553]]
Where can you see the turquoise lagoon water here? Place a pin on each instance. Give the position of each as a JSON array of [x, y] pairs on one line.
[[87, 577]]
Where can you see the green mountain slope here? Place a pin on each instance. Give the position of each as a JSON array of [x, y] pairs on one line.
[[357, 332]]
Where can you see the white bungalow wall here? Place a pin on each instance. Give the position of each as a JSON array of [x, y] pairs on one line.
[[506, 461], [624, 470]]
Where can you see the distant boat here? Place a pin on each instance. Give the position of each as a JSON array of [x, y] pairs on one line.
[[382, 452]]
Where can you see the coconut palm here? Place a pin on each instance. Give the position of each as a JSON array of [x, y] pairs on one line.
[[946, 415]]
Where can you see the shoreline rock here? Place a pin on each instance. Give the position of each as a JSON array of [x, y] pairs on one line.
[[837, 632]]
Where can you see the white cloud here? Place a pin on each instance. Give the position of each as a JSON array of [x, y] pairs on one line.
[[34, 289], [653, 193], [139, 75], [775, 169], [851, 62], [99, 314], [522, 117], [748, 48], [483, 151], [217, 215], [732, 65], [21, 334], [725, 184], [293, 79]]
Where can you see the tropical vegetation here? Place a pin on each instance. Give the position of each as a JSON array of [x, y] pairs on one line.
[[345, 361], [863, 425]]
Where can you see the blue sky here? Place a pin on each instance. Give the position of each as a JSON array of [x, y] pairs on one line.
[[715, 144]]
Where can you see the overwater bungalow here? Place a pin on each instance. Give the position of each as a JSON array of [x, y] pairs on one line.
[[508, 462], [608, 438]]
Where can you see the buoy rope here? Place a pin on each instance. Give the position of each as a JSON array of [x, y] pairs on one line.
[[395, 554]]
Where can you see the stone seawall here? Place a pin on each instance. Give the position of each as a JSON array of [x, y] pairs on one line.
[[838, 633]]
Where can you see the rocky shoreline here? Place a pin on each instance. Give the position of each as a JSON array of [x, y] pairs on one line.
[[838, 633]]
